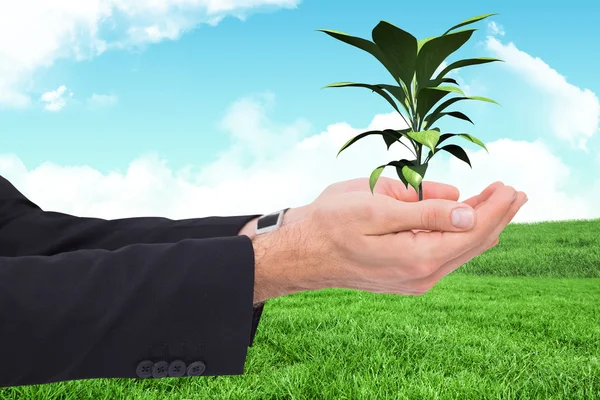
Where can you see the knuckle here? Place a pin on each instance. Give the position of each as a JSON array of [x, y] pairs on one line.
[[429, 217]]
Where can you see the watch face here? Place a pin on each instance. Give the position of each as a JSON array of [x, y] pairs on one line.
[[267, 220]]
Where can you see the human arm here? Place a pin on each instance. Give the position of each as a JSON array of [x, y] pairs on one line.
[[349, 241], [98, 313], [26, 229]]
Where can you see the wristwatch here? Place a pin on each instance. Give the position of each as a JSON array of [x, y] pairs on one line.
[[266, 223]]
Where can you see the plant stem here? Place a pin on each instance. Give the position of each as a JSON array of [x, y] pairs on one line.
[[416, 126], [404, 144], [405, 121], [420, 191]]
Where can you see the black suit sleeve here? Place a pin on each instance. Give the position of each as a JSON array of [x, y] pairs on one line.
[[45, 256], [25, 229], [99, 313]]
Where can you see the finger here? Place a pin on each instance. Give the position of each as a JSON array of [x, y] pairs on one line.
[[476, 200], [441, 247], [431, 190], [491, 241], [435, 190], [392, 216]]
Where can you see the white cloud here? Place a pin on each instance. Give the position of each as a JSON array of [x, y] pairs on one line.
[[35, 33], [530, 167], [285, 170], [574, 114], [55, 99], [102, 100], [495, 29]]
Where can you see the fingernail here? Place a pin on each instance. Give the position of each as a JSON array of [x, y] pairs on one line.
[[463, 217]]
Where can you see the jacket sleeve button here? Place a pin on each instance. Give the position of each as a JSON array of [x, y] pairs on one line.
[[177, 368], [144, 369], [196, 368], [160, 369]]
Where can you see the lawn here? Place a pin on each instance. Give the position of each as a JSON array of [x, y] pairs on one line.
[[520, 321]]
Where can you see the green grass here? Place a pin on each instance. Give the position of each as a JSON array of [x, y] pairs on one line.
[[520, 321], [566, 249]]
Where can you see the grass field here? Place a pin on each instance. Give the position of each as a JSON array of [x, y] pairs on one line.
[[521, 321]]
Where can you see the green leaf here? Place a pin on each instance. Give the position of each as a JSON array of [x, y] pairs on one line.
[[460, 64], [375, 176], [414, 174], [399, 93], [457, 152], [448, 80], [399, 166], [375, 88], [455, 114], [399, 48], [404, 132], [401, 175], [390, 136], [466, 136], [469, 21], [421, 42], [435, 115], [428, 97], [435, 51], [363, 44], [427, 138]]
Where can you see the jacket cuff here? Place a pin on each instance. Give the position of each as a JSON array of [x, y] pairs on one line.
[[256, 314]]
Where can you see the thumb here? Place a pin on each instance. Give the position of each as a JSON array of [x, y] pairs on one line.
[[430, 215]]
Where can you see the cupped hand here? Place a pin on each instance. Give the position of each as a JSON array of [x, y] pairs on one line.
[[487, 238], [367, 241]]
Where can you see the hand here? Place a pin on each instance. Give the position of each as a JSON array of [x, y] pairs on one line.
[[359, 241], [377, 252], [424, 284]]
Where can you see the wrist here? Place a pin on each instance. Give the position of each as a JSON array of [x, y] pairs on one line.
[[283, 260], [295, 214]]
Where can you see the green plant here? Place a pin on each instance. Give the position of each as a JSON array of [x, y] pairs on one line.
[[412, 63]]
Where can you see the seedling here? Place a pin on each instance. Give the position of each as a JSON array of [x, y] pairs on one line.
[[412, 63]]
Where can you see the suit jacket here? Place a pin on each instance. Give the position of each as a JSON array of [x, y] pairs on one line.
[[139, 297]]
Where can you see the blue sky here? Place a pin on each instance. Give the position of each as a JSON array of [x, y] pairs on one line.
[[177, 97]]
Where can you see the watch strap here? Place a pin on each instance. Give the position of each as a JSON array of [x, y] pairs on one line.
[[269, 222]]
